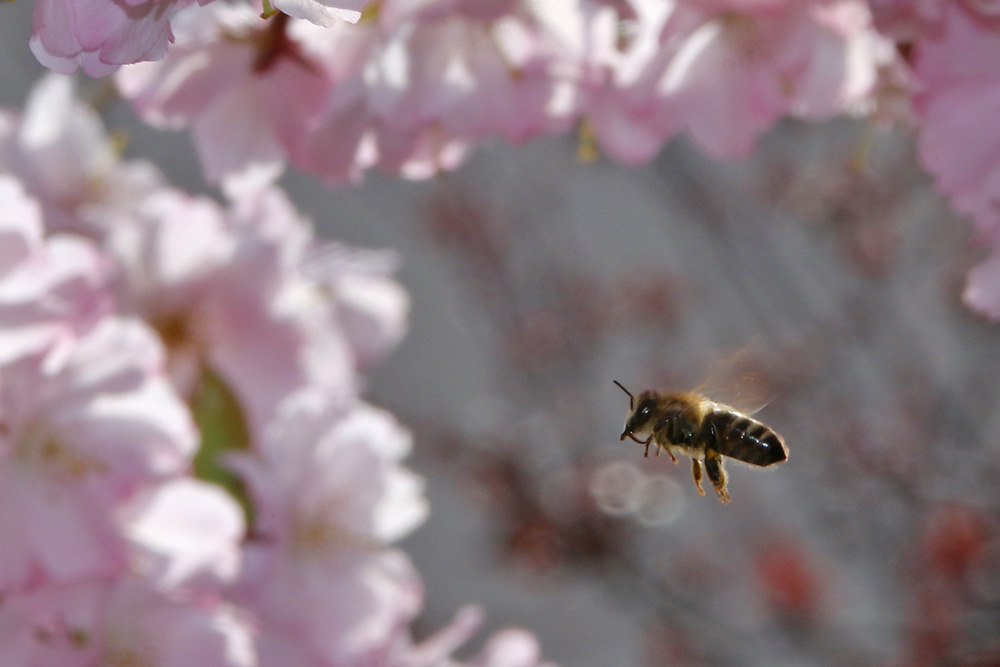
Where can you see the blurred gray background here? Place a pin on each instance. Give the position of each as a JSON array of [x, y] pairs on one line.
[[834, 290]]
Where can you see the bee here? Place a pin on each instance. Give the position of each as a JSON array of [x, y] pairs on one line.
[[692, 424]]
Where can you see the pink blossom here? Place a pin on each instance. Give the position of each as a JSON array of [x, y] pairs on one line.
[[329, 494], [101, 35], [51, 290], [265, 290], [617, 55], [127, 622], [982, 287], [368, 303], [957, 107], [84, 429], [421, 83], [959, 97], [61, 153], [512, 647], [222, 286], [323, 12], [246, 88], [742, 65], [185, 534], [408, 91]]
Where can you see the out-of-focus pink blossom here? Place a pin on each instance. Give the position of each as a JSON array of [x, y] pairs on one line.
[[247, 88], [617, 56], [329, 494], [85, 427], [101, 35], [423, 82], [957, 107], [982, 287], [323, 12], [368, 303], [50, 290], [407, 91], [740, 66], [125, 623], [185, 533], [221, 287], [512, 647], [61, 153]]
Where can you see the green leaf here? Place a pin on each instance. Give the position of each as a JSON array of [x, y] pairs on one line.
[[223, 427]]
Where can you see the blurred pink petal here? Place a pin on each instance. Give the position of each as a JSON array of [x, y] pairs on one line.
[[86, 428], [743, 66], [100, 35], [247, 93], [982, 287], [371, 305], [323, 12], [958, 101], [957, 107], [143, 624], [61, 153], [437, 649], [187, 533], [125, 622], [51, 291], [329, 493], [512, 647]]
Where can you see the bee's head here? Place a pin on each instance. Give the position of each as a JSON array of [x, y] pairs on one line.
[[642, 414]]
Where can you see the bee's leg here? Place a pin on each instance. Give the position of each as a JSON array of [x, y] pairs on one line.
[[716, 473], [646, 442], [696, 471], [663, 432]]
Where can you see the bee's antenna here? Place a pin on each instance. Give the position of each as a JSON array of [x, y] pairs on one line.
[[631, 398]]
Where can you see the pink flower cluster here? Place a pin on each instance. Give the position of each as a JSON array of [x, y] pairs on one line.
[[119, 296], [101, 35], [414, 86], [957, 107]]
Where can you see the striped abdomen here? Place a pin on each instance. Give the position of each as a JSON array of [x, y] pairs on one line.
[[744, 438]]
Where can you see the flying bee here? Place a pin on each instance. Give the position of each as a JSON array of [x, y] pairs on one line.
[[689, 423]]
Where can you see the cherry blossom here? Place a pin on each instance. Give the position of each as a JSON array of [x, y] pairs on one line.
[[425, 81], [185, 534], [247, 88], [323, 12], [368, 303], [329, 496], [742, 65], [100, 35], [51, 291], [127, 622], [84, 430], [959, 97], [221, 286], [63, 156]]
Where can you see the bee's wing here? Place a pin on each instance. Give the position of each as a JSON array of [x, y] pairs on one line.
[[738, 381]]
